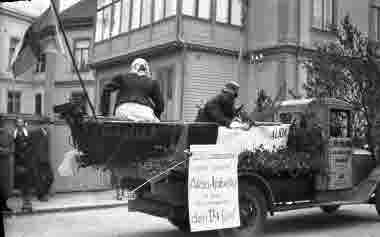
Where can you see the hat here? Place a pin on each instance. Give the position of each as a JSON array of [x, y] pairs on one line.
[[231, 87]]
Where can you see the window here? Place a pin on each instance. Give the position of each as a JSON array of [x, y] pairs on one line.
[[81, 51], [79, 98], [12, 49], [116, 18], [197, 8], [188, 7], [323, 14], [14, 102], [229, 11], [159, 10], [125, 15], [170, 8], [136, 11], [41, 63], [38, 104], [164, 8], [146, 12], [377, 23], [165, 78], [103, 19]]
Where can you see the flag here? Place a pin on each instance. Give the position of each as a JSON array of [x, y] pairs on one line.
[[30, 47]]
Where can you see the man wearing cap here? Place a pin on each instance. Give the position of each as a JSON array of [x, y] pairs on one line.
[[220, 109]]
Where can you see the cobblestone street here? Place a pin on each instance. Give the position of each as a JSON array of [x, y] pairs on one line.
[[350, 221]]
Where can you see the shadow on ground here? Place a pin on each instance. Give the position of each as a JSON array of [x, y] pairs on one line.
[[318, 221]]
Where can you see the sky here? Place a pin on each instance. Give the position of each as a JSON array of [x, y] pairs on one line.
[[36, 7]]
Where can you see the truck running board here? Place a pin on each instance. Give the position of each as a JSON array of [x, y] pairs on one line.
[[302, 205]]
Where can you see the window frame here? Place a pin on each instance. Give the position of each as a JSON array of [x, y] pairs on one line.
[[196, 11], [14, 107], [38, 106], [230, 13], [323, 25], [86, 68]]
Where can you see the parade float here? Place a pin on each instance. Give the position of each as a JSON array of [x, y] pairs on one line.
[[317, 167]]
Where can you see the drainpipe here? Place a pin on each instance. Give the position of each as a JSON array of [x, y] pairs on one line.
[[181, 41], [297, 92]]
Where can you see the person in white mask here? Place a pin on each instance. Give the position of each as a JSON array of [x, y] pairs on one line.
[[139, 97]]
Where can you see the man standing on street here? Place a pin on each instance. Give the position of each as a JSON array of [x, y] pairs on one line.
[[23, 163]]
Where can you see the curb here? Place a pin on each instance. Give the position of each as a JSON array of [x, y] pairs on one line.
[[65, 209]]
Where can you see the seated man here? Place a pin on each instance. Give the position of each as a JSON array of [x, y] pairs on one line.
[[139, 96], [221, 108]]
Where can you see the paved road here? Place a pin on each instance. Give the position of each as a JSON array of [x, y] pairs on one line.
[[351, 221]]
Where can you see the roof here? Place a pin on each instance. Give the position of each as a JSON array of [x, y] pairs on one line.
[[83, 9], [16, 12]]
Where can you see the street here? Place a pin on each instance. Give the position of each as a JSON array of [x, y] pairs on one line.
[[349, 221]]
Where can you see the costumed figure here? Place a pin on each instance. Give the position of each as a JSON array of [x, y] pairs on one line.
[[221, 108], [139, 97], [32, 164]]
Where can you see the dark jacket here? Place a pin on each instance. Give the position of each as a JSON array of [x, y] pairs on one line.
[[6, 150], [220, 109], [136, 89]]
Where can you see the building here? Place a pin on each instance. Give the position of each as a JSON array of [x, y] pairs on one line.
[[193, 45], [52, 81], [16, 96]]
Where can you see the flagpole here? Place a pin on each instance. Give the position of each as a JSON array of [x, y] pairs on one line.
[[60, 25]]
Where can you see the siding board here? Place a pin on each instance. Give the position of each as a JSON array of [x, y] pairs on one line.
[[206, 75]]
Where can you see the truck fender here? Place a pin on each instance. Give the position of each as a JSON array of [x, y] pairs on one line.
[[263, 184]]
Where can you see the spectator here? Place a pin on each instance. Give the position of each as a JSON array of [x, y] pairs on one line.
[[23, 163]]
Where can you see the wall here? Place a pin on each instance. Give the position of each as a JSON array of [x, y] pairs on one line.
[[172, 60], [205, 76], [123, 44]]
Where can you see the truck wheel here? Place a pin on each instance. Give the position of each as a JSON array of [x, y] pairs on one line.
[[377, 201], [253, 213], [330, 209]]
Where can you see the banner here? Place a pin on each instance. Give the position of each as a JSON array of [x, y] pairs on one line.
[[269, 137], [213, 189]]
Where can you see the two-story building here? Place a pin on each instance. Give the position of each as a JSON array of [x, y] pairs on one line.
[[193, 45], [51, 81]]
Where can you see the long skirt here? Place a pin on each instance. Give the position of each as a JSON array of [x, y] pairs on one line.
[[136, 112]]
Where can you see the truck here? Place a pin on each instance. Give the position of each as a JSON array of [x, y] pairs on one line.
[[152, 160]]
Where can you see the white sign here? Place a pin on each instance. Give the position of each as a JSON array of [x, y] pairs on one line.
[[269, 137], [213, 189]]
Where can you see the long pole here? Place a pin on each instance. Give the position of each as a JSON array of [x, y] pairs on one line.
[[60, 26]]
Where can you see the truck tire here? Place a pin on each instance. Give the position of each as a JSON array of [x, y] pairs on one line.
[[330, 209], [377, 199], [253, 213]]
